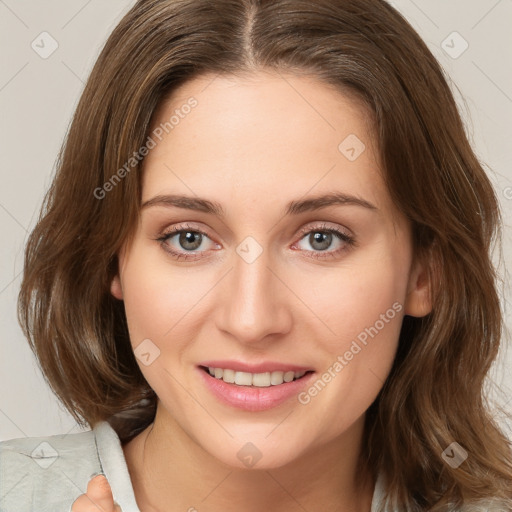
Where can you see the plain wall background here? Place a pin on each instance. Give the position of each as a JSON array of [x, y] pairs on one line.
[[38, 96]]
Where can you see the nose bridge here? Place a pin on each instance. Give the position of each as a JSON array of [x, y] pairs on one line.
[[254, 306]]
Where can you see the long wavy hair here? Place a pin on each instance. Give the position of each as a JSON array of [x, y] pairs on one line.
[[434, 394]]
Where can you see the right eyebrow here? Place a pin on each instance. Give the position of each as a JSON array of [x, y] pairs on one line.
[[186, 202]]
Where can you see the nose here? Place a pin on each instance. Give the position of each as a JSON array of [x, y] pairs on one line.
[[255, 303]]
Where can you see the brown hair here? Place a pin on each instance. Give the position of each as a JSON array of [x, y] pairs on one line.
[[434, 393]]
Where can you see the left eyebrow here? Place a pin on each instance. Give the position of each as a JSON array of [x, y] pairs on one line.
[[323, 201], [292, 208]]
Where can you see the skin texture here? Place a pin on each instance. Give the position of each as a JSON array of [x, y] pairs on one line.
[[253, 144], [98, 497]]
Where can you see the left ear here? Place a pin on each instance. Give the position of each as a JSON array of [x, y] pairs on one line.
[[115, 287], [418, 301]]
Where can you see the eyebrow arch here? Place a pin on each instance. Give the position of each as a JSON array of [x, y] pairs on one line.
[[186, 202], [323, 201], [292, 208]]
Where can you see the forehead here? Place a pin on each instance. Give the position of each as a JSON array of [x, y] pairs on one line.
[[262, 137]]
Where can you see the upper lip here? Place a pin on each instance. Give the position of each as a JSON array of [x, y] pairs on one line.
[[263, 367]]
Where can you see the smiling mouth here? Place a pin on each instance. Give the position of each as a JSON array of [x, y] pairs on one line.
[[261, 380]]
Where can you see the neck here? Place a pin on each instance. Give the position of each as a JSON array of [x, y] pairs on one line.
[[172, 472]]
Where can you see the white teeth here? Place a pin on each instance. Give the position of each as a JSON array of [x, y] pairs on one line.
[[288, 376], [262, 380], [228, 376], [243, 379], [276, 378]]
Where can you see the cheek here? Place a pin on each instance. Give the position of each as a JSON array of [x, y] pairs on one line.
[[364, 312], [361, 307], [356, 295], [155, 296]]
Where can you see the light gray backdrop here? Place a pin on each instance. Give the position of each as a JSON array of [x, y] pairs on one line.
[[48, 49]]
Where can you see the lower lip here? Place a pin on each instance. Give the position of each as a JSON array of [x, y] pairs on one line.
[[253, 398]]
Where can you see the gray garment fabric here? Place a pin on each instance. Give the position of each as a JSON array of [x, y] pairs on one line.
[[47, 474]]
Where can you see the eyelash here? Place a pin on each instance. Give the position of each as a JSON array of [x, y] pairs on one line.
[[344, 237]]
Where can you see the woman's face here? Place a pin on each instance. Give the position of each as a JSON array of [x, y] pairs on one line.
[[263, 276]]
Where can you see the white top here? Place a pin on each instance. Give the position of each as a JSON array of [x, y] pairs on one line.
[[46, 474]]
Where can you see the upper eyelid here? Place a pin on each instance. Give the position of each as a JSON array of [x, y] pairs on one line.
[[303, 231], [325, 226]]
